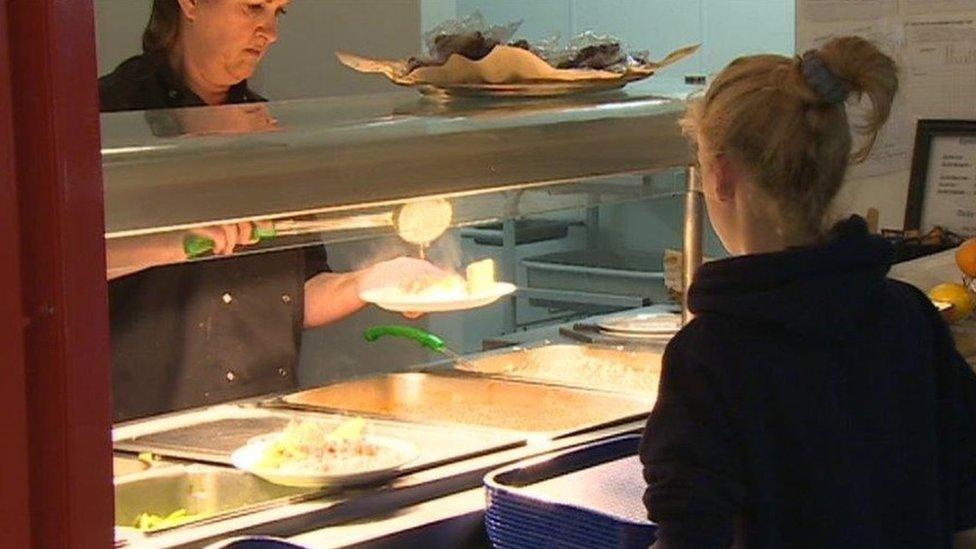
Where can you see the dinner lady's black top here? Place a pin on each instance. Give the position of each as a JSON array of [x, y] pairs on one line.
[[207, 331]]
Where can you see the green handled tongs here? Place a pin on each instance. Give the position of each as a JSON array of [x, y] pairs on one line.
[[423, 337], [196, 245]]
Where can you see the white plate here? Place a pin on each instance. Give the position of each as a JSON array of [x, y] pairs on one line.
[[394, 299], [644, 324], [662, 338], [247, 457]]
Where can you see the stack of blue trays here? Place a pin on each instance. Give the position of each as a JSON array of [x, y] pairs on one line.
[[588, 496]]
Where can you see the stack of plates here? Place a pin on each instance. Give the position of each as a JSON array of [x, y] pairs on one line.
[[584, 497], [660, 326]]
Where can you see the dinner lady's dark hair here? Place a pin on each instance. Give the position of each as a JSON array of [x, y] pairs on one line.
[[162, 29]]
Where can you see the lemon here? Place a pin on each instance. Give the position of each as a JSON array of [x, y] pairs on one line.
[[958, 296]]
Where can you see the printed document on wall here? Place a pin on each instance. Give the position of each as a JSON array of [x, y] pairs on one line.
[[923, 7], [892, 150], [845, 10], [940, 73]]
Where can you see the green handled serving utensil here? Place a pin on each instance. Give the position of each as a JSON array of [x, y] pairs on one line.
[[419, 222], [195, 245], [423, 337]]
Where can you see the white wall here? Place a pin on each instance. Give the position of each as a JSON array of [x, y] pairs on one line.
[[118, 29], [302, 63]]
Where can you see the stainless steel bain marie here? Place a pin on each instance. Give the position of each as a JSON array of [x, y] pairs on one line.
[[204, 492], [212, 434], [584, 366], [460, 399]]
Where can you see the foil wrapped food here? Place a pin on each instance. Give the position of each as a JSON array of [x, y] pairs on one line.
[[471, 54]]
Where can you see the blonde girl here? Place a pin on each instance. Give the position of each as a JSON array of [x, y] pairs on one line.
[[812, 402]]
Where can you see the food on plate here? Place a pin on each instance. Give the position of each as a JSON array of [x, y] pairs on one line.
[[472, 45], [469, 56], [312, 446], [966, 257], [597, 56], [958, 296], [471, 37], [435, 286], [578, 366], [152, 521], [480, 276]]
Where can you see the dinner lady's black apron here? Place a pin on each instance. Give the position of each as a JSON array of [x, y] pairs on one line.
[[208, 331]]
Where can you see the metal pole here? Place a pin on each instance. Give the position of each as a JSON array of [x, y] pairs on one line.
[[510, 258], [692, 255]]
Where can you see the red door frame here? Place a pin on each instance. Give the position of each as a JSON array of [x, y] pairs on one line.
[[14, 481], [58, 194]]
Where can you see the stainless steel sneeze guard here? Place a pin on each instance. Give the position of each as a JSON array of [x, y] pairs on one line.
[[342, 154]]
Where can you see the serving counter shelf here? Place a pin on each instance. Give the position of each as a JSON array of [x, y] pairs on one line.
[[464, 423]]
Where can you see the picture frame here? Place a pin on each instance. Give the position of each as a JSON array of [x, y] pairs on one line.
[[942, 185]]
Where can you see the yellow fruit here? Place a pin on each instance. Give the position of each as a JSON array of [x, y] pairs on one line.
[[966, 257], [958, 296]]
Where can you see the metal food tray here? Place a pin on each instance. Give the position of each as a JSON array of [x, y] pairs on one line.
[[212, 435], [632, 371], [466, 399], [589, 496], [207, 493]]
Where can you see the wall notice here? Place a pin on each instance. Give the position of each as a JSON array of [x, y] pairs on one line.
[[950, 189]]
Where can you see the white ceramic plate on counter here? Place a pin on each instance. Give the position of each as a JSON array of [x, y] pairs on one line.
[[400, 453], [395, 299], [649, 324]]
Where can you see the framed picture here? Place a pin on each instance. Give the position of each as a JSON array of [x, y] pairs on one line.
[[942, 188]]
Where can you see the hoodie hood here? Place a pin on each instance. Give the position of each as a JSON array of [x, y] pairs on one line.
[[823, 291]]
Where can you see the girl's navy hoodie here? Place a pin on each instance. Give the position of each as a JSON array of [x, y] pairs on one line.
[[812, 402]]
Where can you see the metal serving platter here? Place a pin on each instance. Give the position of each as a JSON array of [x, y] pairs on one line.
[[582, 366], [213, 434], [454, 398], [525, 89]]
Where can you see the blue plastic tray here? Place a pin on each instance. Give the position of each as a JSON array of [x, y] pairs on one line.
[[588, 496]]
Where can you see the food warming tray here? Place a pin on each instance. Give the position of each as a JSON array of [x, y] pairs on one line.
[[212, 436], [583, 366], [589, 496], [456, 398]]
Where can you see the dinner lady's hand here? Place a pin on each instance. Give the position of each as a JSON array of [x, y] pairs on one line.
[[128, 255], [227, 237]]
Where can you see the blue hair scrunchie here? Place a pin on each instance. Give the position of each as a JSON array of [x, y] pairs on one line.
[[821, 79]]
